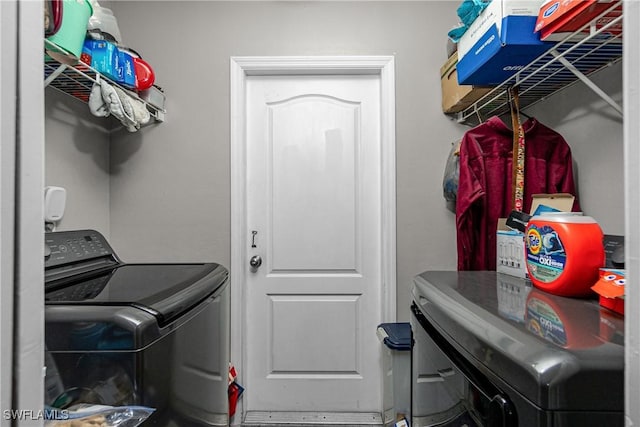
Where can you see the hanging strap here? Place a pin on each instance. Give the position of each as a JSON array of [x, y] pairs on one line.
[[517, 174]]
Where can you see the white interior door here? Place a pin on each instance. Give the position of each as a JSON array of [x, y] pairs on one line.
[[315, 218]]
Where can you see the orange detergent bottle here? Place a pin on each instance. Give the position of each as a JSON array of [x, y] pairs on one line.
[[565, 251]]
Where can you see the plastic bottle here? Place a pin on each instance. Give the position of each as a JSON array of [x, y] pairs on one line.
[[564, 253]]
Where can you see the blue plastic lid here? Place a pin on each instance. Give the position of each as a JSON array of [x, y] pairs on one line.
[[396, 336]]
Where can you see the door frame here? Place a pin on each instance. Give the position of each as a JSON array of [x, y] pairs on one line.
[[240, 69]]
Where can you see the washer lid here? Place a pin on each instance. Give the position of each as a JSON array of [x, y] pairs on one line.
[[559, 353], [163, 290]]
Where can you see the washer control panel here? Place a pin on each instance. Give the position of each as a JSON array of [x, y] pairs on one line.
[[70, 247]]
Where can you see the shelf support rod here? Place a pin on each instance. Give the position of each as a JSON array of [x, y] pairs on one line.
[[54, 75], [158, 115], [586, 80]]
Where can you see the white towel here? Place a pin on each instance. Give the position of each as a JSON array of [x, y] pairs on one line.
[[97, 106], [106, 99]]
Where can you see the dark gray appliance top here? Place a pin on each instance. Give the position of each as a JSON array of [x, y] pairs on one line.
[[164, 290], [90, 292], [559, 353]]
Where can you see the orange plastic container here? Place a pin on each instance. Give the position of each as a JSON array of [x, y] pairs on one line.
[[564, 253]]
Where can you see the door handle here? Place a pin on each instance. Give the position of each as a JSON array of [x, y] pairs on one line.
[[255, 261]]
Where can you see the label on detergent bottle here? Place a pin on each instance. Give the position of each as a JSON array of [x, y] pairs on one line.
[[546, 256]]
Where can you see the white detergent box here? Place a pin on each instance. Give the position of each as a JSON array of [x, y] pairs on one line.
[[510, 250], [510, 254]]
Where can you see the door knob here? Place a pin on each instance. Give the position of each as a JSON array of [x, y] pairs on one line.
[[255, 261]]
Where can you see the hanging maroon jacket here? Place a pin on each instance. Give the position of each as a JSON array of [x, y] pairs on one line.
[[484, 188]]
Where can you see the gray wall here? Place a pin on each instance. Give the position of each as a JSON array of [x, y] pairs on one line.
[[593, 129], [167, 195], [77, 158], [173, 180]]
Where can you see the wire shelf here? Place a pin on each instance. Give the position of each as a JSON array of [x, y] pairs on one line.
[[78, 78], [579, 55]]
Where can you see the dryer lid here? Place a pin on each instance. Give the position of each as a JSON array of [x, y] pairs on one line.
[[163, 290], [82, 271], [559, 353]]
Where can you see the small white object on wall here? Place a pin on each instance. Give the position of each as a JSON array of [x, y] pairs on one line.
[[55, 199]]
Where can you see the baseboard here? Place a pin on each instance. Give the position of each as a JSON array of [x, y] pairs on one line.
[[312, 419]]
